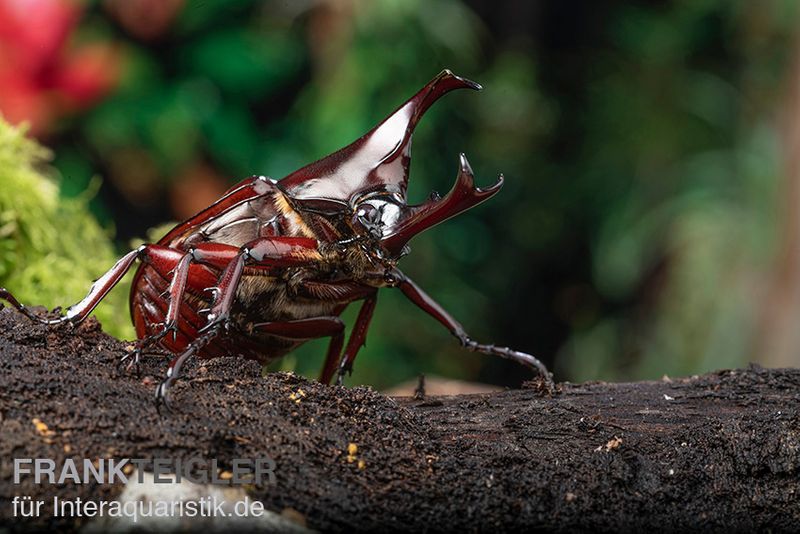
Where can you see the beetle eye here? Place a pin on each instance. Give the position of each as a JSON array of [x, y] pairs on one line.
[[368, 217], [376, 215], [368, 214]]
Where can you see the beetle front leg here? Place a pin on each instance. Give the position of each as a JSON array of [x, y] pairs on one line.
[[416, 295]]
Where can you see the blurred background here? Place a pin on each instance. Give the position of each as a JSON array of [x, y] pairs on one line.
[[649, 224]]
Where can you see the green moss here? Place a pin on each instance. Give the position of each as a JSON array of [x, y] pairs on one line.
[[51, 249]]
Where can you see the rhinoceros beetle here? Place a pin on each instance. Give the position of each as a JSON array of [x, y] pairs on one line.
[[273, 263]]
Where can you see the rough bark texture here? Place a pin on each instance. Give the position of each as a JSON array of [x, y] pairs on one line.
[[719, 451]]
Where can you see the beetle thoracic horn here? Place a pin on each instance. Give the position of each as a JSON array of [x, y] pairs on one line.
[[377, 160]]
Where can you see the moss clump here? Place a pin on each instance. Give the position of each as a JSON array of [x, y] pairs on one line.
[[51, 249]]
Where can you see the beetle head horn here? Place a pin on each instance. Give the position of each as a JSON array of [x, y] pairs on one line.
[[463, 196], [379, 160]]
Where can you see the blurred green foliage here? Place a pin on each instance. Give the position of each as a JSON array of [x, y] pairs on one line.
[[638, 142], [51, 249], [681, 173]]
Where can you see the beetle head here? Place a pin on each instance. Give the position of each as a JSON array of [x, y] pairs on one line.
[[369, 178]]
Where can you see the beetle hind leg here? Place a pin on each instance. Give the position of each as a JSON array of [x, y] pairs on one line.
[[78, 312], [7, 296]]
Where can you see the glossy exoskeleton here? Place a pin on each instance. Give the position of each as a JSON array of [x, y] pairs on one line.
[[273, 264]]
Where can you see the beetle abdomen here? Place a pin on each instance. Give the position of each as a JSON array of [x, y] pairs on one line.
[[260, 299]]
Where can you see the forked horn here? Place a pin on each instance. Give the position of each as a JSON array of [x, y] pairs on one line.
[[463, 196]]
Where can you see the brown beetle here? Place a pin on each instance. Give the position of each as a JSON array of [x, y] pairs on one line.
[[273, 264]]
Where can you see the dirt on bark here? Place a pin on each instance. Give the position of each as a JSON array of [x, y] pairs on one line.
[[719, 451]]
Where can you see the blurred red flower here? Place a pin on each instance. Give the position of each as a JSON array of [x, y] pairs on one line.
[[42, 77]]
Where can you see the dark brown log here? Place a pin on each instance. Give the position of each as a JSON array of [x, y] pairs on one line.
[[719, 451]]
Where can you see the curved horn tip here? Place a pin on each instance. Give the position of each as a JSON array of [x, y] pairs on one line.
[[464, 163], [475, 86], [492, 189], [499, 183], [447, 73]]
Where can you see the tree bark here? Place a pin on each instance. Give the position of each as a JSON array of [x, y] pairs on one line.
[[719, 451]]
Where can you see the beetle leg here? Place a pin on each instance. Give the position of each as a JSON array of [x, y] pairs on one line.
[[220, 310], [177, 288], [214, 254], [176, 291], [174, 369], [343, 291], [132, 358], [357, 340], [11, 299], [311, 328], [300, 329], [263, 253], [173, 372], [416, 295]]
